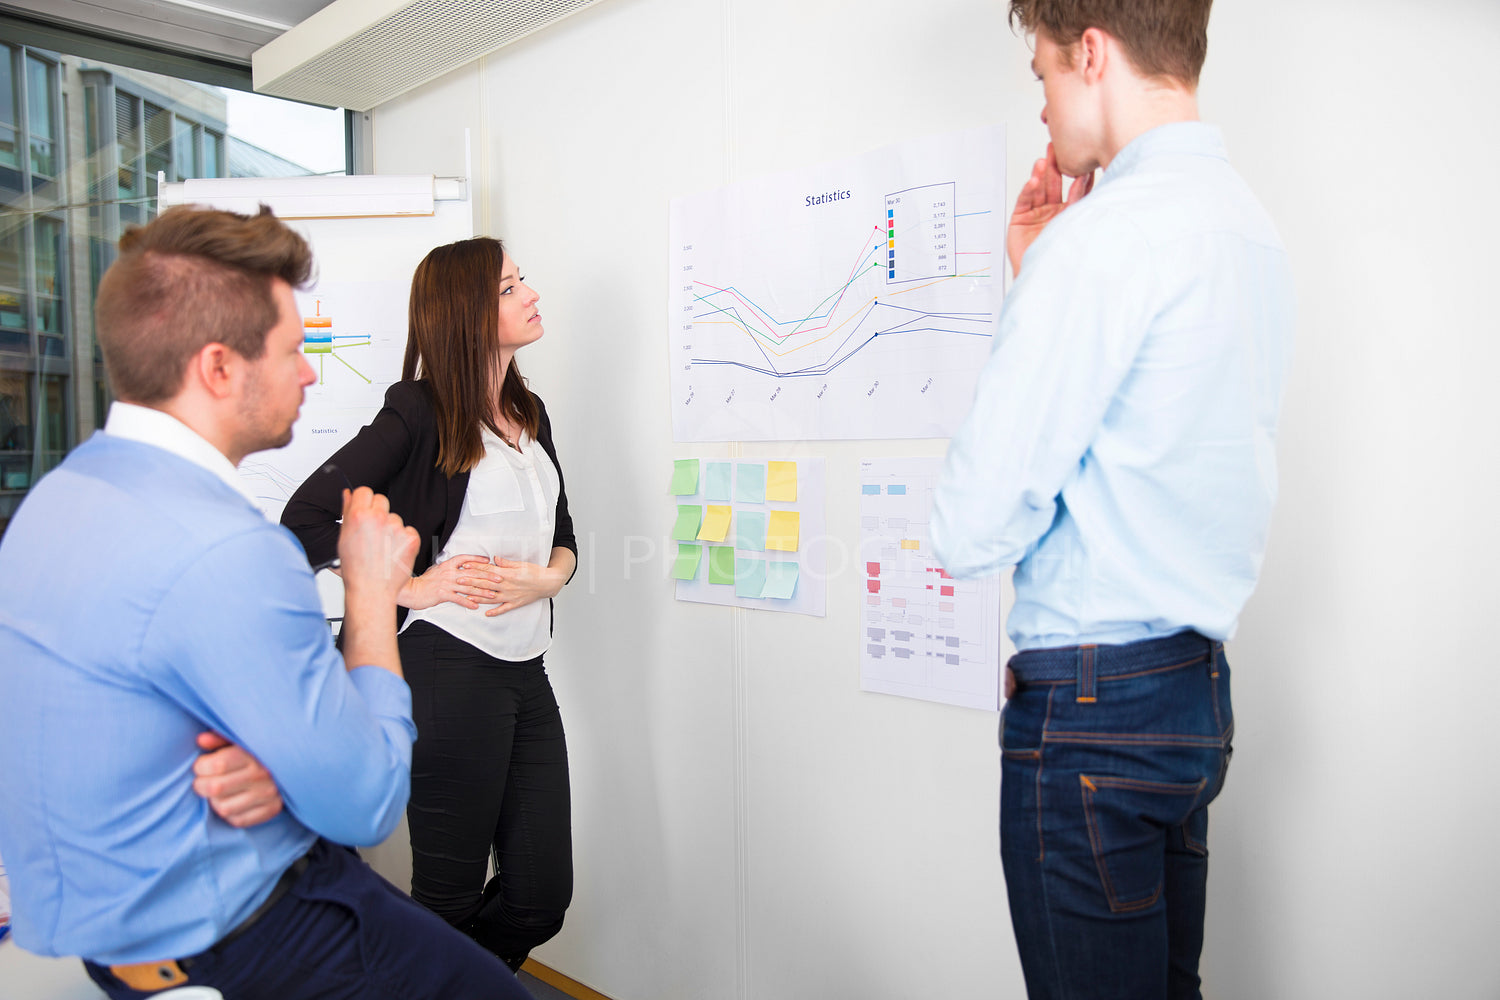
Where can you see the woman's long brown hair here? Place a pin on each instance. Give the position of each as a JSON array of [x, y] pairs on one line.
[[453, 342]]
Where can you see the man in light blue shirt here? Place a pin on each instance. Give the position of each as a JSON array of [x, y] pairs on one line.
[[1120, 454], [143, 600]]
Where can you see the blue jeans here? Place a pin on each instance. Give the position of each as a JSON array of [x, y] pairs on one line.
[[1110, 756]]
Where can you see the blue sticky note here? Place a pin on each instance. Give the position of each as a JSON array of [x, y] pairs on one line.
[[870, 490], [749, 577], [716, 482], [750, 483], [750, 530], [781, 580]]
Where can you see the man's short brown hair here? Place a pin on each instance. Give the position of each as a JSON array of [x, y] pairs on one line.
[[1162, 38], [189, 278]]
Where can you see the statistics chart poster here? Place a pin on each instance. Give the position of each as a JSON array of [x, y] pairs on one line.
[[854, 299]]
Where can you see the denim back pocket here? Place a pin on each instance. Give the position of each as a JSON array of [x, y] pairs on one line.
[[1127, 819]]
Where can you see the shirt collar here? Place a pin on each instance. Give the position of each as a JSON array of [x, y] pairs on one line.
[[164, 431], [1175, 138]]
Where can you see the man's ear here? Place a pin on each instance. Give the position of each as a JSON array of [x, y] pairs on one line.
[[1094, 52], [216, 368]]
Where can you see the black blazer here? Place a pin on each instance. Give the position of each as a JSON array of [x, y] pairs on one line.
[[397, 454]]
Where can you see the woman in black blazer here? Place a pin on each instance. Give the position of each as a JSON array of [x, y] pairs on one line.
[[464, 451]]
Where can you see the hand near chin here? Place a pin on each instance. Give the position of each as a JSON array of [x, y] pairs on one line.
[[1040, 201]]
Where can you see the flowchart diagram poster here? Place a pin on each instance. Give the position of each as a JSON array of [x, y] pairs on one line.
[[849, 300], [922, 634]]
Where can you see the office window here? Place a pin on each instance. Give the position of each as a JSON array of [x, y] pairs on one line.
[[81, 145], [13, 335], [213, 154], [40, 80], [8, 116]]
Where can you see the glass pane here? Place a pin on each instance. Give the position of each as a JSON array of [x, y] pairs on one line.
[[10, 252], [158, 146], [212, 144], [7, 87], [49, 317], [39, 98], [41, 157], [128, 143], [186, 149], [8, 147], [15, 423], [55, 412], [48, 253]]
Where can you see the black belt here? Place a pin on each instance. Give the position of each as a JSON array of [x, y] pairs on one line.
[[282, 886]]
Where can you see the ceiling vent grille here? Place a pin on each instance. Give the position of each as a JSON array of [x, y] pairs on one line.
[[359, 53]]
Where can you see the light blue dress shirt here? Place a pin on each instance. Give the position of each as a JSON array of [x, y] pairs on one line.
[[142, 601], [1120, 452]]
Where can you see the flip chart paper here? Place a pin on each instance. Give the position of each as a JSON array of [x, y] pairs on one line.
[[750, 531], [721, 564], [715, 523], [781, 535], [781, 484], [688, 518], [686, 566], [716, 481], [781, 580], [750, 483], [685, 477]]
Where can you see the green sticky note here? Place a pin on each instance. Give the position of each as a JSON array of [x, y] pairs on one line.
[[686, 566], [721, 564], [749, 577], [749, 483], [688, 518], [781, 580], [684, 477], [750, 530], [716, 482]]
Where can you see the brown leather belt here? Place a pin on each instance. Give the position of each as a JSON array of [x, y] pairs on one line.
[[150, 977]]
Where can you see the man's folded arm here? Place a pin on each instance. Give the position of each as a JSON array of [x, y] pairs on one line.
[[241, 643]]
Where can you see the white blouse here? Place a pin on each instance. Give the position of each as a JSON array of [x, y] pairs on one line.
[[509, 512]]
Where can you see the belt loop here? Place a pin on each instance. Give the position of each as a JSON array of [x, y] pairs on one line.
[[1086, 692]]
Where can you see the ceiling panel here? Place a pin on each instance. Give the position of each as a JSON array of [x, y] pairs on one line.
[[228, 30]]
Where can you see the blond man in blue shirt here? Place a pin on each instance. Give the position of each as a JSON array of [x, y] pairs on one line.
[[1120, 455]]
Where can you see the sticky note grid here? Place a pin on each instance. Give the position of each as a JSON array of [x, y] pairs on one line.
[[723, 522]]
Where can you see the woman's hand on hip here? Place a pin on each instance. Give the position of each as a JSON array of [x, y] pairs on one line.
[[467, 581], [524, 582]]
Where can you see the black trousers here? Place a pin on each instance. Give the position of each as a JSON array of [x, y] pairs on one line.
[[489, 774]]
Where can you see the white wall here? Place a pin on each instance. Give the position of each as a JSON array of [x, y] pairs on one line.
[[748, 824]]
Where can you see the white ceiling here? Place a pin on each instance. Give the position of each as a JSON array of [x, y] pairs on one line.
[[228, 30]]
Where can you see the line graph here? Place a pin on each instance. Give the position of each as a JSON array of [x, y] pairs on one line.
[[860, 313]]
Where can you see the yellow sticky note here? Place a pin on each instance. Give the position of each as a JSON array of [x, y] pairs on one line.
[[910, 543], [715, 523], [781, 482], [781, 532]]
